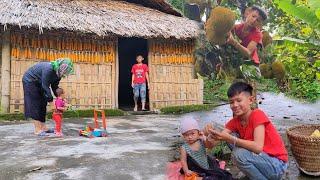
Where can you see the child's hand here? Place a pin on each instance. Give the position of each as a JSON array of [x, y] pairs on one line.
[[132, 85], [231, 39], [202, 136], [189, 173], [207, 128], [219, 135]]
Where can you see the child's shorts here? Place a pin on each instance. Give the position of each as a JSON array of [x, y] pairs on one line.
[[140, 89]]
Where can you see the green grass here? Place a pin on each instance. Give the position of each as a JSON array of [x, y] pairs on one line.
[[187, 108], [219, 150], [12, 116], [268, 85], [67, 114], [215, 90]]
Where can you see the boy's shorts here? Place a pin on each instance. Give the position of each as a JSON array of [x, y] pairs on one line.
[[140, 89]]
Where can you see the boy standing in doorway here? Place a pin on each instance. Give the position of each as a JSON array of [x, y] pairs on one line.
[[139, 77]]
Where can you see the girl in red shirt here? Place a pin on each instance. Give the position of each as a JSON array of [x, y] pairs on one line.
[[258, 149]]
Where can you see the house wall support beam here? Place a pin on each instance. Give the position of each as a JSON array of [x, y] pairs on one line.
[[5, 72]]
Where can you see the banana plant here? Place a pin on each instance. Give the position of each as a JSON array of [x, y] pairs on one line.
[[309, 13]]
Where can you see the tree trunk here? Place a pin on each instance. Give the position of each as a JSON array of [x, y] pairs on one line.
[[5, 72]]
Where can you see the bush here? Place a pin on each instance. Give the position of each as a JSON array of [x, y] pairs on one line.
[[309, 91], [12, 116], [186, 109], [215, 90], [302, 65], [268, 85], [67, 114]]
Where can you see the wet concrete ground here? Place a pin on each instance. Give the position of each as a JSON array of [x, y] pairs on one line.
[[138, 147]]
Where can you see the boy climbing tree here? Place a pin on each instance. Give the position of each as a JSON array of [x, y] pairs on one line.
[[249, 33]]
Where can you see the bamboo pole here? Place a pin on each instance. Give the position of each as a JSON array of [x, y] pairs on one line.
[[150, 59], [116, 75], [5, 72]]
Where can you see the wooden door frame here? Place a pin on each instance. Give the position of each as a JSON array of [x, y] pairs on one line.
[[149, 41], [116, 76]]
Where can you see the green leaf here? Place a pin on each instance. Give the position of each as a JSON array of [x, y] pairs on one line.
[[299, 11], [317, 64], [314, 4], [318, 13], [318, 76]]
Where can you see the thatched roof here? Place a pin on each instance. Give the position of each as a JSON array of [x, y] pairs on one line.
[[101, 17], [160, 5]]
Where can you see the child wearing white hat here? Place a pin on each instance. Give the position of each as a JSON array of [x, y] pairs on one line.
[[194, 146]]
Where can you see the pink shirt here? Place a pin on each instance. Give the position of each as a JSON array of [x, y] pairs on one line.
[[59, 103]]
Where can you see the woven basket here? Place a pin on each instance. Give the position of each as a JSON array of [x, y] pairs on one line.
[[305, 149]]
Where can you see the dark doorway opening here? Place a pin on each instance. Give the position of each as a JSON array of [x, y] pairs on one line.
[[128, 50]]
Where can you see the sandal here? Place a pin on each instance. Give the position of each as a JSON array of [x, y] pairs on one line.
[[50, 130], [43, 134]]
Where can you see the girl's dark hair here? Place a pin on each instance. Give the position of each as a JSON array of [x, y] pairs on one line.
[[59, 91], [239, 87], [261, 12]]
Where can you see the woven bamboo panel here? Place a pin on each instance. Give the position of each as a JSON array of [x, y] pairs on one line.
[[172, 52], [52, 46], [0, 63], [172, 79], [91, 86]]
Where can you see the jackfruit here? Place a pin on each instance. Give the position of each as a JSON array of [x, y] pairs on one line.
[[266, 38], [219, 24], [316, 133], [278, 70], [216, 39], [266, 70]]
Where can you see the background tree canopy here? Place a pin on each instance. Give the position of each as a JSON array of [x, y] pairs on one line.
[[295, 28]]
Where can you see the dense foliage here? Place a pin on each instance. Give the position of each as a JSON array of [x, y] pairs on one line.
[[295, 28]]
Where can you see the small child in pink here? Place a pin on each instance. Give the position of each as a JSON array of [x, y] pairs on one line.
[[59, 108]]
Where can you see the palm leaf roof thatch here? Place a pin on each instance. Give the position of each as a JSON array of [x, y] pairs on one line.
[[160, 5], [148, 19]]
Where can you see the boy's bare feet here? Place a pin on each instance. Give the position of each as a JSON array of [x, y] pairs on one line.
[[135, 108]]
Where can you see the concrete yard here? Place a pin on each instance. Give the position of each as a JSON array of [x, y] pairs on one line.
[[137, 148]]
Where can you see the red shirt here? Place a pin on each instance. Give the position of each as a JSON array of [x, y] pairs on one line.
[[254, 35], [273, 144], [139, 71]]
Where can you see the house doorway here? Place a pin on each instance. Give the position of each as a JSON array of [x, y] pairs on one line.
[[128, 50]]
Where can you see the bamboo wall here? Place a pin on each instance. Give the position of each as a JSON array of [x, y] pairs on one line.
[[92, 84], [0, 60], [172, 75]]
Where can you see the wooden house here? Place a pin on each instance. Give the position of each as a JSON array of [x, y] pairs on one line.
[[102, 37]]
